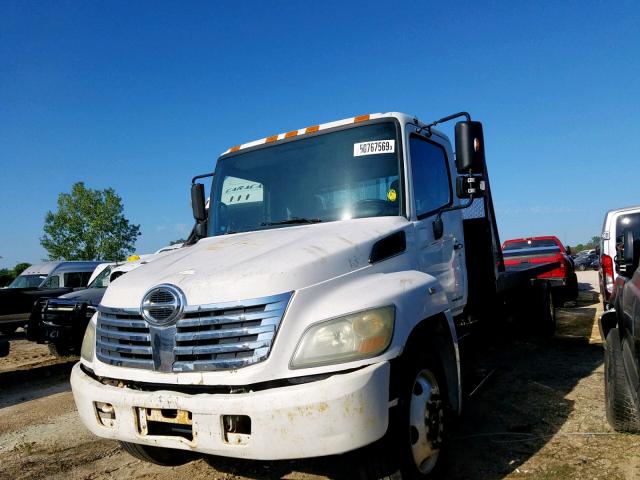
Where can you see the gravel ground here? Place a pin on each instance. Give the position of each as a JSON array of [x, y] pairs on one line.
[[539, 416]]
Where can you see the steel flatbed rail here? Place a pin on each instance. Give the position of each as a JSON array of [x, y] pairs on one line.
[[521, 275]]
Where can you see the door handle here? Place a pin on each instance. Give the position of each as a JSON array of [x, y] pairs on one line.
[[458, 246]]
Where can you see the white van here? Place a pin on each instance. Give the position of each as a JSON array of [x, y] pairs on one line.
[[616, 223], [55, 275]]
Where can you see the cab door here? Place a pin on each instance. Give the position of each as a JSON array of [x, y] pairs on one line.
[[431, 179]]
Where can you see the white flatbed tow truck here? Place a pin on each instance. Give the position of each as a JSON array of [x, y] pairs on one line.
[[319, 307]]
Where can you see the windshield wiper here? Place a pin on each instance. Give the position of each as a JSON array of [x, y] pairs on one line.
[[292, 221]]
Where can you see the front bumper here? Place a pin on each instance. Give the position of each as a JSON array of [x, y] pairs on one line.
[[335, 415], [59, 321]]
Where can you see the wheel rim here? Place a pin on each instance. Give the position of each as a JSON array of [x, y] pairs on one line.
[[426, 425]]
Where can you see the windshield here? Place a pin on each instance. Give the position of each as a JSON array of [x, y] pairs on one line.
[[27, 281], [102, 280], [350, 173]]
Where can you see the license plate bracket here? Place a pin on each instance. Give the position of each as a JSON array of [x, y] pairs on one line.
[[166, 422]]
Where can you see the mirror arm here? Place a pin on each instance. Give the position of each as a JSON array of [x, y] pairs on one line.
[[204, 175], [437, 223], [457, 207], [442, 120]]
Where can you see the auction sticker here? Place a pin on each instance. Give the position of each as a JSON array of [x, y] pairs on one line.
[[374, 148]]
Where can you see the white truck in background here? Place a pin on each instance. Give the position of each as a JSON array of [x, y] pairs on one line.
[[319, 312]]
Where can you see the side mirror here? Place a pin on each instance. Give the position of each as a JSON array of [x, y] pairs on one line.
[[197, 202], [631, 255], [438, 228], [469, 147], [568, 249]]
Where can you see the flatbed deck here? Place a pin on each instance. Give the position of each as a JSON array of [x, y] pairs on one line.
[[518, 276]]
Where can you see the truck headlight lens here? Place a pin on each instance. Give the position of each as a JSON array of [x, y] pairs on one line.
[[89, 342], [343, 339]]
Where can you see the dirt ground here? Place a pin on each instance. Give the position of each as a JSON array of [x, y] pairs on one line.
[[540, 415], [25, 355]]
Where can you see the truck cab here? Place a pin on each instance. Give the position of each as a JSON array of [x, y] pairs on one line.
[[318, 307]]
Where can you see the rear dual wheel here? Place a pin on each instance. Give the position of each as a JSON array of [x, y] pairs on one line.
[[543, 309]]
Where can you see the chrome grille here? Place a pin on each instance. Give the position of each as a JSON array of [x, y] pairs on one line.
[[207, 337], [123, 340]]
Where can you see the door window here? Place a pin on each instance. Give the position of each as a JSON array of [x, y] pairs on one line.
[[52, 282], [76, 279], [431, 181]]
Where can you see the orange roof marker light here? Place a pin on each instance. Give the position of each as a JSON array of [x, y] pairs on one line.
[[312, 129], [361, 118], [234, 149], [290, 134]]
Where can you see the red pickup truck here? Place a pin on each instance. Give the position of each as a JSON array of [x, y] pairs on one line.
[[545, 249]]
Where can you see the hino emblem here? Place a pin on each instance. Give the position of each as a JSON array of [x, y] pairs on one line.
[[162, 305]]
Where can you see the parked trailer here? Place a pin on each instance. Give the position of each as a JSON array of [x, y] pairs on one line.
[[323, 314]]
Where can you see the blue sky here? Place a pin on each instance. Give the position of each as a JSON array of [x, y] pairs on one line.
[[140, 96]]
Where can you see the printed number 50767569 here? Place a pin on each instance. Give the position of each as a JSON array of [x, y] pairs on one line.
[[374, 147]]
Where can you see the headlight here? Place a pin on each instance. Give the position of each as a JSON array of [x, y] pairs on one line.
[[89, 342], [344, 339]]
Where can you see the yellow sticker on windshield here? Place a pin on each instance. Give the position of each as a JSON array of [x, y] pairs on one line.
[[392, 195]]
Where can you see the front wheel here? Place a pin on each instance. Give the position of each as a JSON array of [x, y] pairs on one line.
[[412, 448], [426, 422], [166, 457]]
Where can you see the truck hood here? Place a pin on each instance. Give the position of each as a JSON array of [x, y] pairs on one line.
[[90, 295], [257, 264]]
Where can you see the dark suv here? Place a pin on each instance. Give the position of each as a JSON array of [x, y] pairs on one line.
[[620, 327]]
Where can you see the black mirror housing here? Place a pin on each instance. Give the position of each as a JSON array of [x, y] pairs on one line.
[[197, 202], [631, 255], [438, 228], [469, 147]]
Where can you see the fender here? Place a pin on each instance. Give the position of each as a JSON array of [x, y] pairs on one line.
[[418, 297]]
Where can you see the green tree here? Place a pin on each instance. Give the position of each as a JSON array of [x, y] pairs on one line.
[[20, 267], [89, 225], [6, 277]]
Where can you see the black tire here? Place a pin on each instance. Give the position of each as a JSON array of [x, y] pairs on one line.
[[166, 457], [423, 370], [545, 310], [622, 412], [397, 455], [572, 287], [61, 350], [582, 267]]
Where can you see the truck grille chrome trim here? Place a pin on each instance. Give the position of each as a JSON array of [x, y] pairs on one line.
[[206, 338]]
